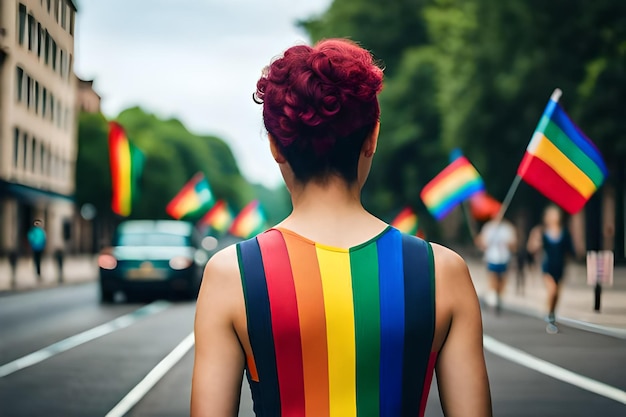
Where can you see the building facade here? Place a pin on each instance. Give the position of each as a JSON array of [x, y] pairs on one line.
[[88, 100], [38, 123]]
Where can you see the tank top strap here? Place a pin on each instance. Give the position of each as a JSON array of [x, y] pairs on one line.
[[419, 290], [263, 362]]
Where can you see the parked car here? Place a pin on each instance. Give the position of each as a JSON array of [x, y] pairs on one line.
[[152, 257]]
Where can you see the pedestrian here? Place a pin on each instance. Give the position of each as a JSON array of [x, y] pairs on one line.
[[554, 242], [37, 241], [334, 311], [498, 240]]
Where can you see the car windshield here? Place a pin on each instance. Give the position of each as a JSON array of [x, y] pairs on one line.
[[151, 239]]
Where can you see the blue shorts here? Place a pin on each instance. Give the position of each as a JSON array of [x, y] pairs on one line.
[[497, 268]]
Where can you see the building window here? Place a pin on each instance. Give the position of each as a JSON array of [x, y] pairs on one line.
[[44, 102], [46, 47], [63, 15], [48, 5], [54, 55], [31, 32], [56, 10], [49, 172], [40, 39], [67, 119], [16, 147], [29, 91], [34, 155], [59, 114], [22, 24], [24, 151], [36, 97], [52, 103], [62, 62], [71, 21], [42, 159], [19, 84]]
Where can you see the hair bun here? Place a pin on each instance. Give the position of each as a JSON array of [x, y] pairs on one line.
[[319, 95]]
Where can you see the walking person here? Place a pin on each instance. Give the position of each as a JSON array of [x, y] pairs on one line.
[[554, 242], [37, 241], [334, 312], [498, 240]]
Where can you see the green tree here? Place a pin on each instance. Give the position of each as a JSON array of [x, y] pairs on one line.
[[172, 156], [387, 28], [476, 74], [500, 61], [178, 155], [93, 178]]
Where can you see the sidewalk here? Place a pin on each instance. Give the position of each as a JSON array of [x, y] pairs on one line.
[[577, 298], [76, 269]]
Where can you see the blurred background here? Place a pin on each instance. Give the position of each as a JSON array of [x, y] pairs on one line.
[[178, 77]]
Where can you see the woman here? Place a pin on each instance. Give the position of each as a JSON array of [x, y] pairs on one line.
[[333, 312], [556, 243]]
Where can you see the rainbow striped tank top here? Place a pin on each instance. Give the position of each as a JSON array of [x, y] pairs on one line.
[[338, 332]]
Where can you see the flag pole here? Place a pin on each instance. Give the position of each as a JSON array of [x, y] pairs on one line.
[[509, 197], [556, 95], [471, 225]]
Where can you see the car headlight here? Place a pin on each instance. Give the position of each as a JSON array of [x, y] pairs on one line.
[[180, 262], [106, 261], [201, 257]]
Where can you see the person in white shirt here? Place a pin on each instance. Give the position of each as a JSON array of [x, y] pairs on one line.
[[498, 239]]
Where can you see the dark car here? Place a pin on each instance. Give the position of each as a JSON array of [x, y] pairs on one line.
[[150, 257]]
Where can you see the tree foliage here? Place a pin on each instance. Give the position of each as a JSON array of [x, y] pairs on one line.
[[173, 156], [476, 74], [92, 169]]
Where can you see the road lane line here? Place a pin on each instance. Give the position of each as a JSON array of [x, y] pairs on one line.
[[532, 362], [81, 338], [150, 380]]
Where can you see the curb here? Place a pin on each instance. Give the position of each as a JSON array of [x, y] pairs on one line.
[[5, 292], [569, 322]]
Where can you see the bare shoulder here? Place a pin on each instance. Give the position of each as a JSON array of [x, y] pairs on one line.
[[453, 279], [221, 285], [449, 265], [223, 264]]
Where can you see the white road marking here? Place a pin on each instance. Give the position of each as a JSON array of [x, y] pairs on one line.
[[145, 385], [81, 338], [532, 362]]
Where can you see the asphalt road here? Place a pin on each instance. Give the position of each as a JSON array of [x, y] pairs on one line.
[[106, 350]]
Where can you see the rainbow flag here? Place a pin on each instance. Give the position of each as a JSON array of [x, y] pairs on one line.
[[406, 221], [484, 207], [249, 222], [193, 200], [456, 183], [219, 218], [126, 162], [561, 162]]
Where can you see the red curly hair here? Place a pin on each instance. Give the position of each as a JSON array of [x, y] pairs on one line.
[[319, 104]]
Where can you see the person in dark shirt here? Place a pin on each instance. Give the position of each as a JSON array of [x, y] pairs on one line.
[[555, 243]]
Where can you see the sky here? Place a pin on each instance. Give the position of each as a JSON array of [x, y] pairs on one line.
[[196, 60]]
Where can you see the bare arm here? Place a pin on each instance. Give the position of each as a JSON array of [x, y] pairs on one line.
[[479, 240], [513, 241], [219, 359], [461, 371], [534, 240]]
